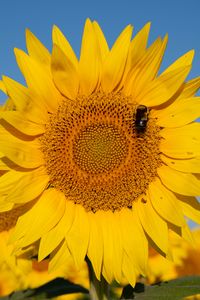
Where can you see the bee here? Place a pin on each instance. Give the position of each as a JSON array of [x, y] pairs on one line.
[[141, 118]]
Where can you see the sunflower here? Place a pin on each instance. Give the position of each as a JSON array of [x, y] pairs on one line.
[[102, 151]]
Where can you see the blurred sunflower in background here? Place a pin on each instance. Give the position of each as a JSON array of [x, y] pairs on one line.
[[185, 260], [23, 272], [102, 153]]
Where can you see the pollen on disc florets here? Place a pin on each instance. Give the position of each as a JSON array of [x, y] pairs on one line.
[[94, 155]]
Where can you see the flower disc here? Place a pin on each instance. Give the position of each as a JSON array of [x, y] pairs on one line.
[[95, 155]]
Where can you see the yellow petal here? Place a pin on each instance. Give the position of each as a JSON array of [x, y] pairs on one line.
[[117, 246], [28, 187], [137, 79], [151, 68], [36, 49], [185, 60], [7, 165], [103, 46], [95, 247], [139, 43], [32, 106], [60, 40], [182, 142], [25, 154], [153, 224], [190, 88], [38, 79], [137, 49], [191, 130], [8, 181], [79, 235], [180, 149], [191, 165], [64, 73], [108, 254], [89, 66], [54, 237], [3, 87], [5, 206], [17, 120], [41, 218], [60, 258], [114, 65], [163, 87], [8, 105], [129, 270], [187, 234], [190, 207], [179, 182], [166, 204], [179, 113], [134, 240], [184, 232], [108, 223], [168, 82]]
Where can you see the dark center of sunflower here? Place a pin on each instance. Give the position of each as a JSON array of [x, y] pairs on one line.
[[100, 148], [95, 155]]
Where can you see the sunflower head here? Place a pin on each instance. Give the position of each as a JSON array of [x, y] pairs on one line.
[[103, 151], [102, 161]]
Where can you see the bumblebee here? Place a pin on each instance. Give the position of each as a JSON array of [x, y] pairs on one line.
[[141, 118]]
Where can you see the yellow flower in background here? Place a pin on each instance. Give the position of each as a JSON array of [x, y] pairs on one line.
[[185, 260], [191, 261], [9, 279], [102, 151], [40, 275], [13, 270], [20, 273]]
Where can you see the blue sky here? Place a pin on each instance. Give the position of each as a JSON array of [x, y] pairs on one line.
[[180, 18]]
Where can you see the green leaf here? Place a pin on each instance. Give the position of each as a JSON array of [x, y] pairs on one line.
[[171, 290], [54, 288], [19, 295]]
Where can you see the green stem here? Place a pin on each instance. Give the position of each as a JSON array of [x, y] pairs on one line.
[[99, 290]]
